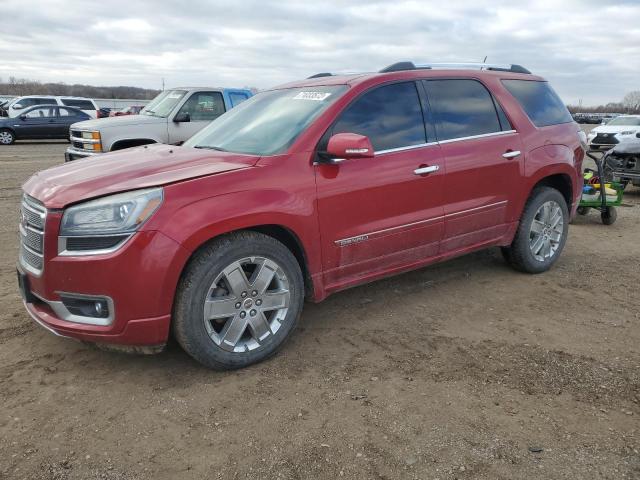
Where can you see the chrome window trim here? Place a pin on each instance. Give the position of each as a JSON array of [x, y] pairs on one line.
[[402, 149], [63, 252], [484, 135], [439, 142]]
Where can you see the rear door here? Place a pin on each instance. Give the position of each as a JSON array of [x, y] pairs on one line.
[[202, 108], [66, 117], [484, 161], [377, 213]]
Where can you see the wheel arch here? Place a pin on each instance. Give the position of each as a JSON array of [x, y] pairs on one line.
[[561, 182], [284, 235]]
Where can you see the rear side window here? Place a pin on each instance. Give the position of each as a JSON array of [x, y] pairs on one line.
[[462, 108], [237, 98], [391, 116], [81, 104], [541, 104]]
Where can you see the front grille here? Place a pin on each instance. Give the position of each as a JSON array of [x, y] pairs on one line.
[[605, 139], [94, 243], [76, 133], [79, 145], [32, 223]]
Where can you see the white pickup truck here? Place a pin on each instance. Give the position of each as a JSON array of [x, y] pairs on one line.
[[172, 117]]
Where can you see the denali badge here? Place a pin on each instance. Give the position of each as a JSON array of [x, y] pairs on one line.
[[349, 241]]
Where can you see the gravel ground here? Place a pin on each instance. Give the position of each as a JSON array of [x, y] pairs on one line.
[[464, 370]]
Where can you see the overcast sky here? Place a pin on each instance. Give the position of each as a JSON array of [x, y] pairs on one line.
[[588, 49]]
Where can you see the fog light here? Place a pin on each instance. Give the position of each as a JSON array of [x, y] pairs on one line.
[[85, 306]]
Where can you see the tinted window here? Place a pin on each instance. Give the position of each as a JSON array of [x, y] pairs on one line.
[[541, 104], [81, 104], [504, 121], [203, 106], [44, 101], [390, 116], [461, 108]]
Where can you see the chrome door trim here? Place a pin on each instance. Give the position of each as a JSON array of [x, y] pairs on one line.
[[496, 204], [365, 236]]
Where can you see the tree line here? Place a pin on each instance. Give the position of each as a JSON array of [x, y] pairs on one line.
[[630, 104], [20, 86]]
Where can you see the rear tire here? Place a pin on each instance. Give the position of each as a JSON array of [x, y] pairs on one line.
[[7, 137], [239, 299], [542, 232]]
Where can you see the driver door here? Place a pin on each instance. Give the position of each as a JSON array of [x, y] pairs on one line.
[[37, 123], [379, 214], [195, 114]]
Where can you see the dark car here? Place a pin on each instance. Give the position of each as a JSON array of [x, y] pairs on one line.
[[40, 121], [622, 162]]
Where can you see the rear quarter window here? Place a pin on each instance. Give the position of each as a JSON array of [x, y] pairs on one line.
[[541, 104]]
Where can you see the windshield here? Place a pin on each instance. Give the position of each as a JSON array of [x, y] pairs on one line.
[[626, 121], [269, 122], [163, 104]]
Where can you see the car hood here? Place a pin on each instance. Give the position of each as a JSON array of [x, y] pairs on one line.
[[616, 129], [129, 169], [121, 121]]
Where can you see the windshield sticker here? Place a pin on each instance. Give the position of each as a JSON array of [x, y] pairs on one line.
[[317, 96]]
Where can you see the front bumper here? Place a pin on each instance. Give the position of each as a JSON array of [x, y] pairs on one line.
[[140, 279], [74, 154]]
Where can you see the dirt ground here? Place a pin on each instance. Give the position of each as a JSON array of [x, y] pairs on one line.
[[464, 370]]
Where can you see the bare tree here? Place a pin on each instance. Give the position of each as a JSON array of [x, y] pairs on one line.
[[632, 100]]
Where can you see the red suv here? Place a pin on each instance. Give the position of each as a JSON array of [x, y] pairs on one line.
[[299, 192]]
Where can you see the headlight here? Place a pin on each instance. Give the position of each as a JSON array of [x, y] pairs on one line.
[[115, 214], [92, 141]]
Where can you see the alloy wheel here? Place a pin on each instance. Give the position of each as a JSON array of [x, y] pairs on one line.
[[246, 304], [547, 229], [6, 138]]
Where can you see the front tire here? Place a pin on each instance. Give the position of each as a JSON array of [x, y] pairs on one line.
[[7, 137], [542, 232], [239, 299]]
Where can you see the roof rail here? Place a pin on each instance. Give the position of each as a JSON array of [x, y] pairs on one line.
[[322, 74], [399, 66]]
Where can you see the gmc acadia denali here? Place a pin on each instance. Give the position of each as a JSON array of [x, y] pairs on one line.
[[298, 192]]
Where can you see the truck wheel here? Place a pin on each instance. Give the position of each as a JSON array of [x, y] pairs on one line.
[[609, 216], [7, 137], [239, 299], [542, 232]]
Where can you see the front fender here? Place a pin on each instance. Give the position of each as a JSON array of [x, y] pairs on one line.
[[193, 223]]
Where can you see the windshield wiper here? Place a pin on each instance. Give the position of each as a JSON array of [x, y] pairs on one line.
[[218, 149]]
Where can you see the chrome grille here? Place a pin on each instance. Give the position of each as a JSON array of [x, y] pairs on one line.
[[32, 222]]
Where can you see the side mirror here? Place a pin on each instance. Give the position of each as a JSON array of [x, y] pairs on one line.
[[17, 106], [347, 146], [638, 135], [182, 117]]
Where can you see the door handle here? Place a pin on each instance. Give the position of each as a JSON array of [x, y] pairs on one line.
[[427, 169], [511, 154]]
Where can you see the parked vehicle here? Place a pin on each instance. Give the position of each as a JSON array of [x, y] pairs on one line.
[[45, 121], [621, 129], [130, 110], [172, 117], [17, 105], [622, 163], [301, 191], [104, 112]]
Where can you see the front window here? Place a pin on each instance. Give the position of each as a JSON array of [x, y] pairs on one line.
[[625, 121], [163, 104], [269, 122], [203, 106]]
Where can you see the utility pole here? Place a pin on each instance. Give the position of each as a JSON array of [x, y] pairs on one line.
[[163, 84]]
